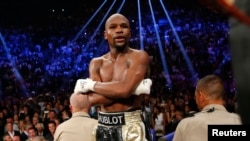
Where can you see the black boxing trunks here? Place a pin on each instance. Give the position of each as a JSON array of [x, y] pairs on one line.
[[122, 126]]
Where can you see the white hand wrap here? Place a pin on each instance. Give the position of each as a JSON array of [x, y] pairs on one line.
[[84, 85], [144, 87]]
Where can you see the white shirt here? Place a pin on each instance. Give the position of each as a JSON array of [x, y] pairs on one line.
[[196, 128], [159, 122]]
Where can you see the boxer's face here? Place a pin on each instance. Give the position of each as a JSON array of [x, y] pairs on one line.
[[117, 31]]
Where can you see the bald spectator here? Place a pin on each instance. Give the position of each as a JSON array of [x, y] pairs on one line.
[[80, 125]]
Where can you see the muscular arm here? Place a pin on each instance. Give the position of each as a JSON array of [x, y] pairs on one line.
[[94, 98], [138, 63]]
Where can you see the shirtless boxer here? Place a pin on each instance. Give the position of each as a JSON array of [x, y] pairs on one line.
[[116, 83]]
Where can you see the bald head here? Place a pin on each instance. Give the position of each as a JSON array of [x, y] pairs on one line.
[[115, 17], [79, 102]]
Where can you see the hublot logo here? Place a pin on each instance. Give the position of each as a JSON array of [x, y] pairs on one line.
[[112, 119]]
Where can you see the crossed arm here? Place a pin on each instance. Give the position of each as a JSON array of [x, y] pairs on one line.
[[106, 92]]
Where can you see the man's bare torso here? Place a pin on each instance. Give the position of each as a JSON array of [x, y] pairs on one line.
[[115, 70]]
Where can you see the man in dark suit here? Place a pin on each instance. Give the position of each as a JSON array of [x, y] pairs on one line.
[[24, 135], [10, 130]]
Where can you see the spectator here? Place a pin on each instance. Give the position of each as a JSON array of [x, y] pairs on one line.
[[35, 120], [32, 133], [2, 123], [10, 130], [40, 129], [39, 138], [57, 121], [52, 128], [6, 137], [209, 96], [9, 119], [179, 115], [147, 109], [80, 125], [159, 121], [16, 138], [51, 117], [25, 133]]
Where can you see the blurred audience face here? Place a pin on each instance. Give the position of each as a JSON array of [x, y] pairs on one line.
[[32, 133], [1, 115], [9, 127], [16, 138], [7, 138], [52, 128], [39, 127], [15, 117], [9, 120], [36, 114], [52, 115], [57, 121], [21, 125], [35, 120], [27, 119]]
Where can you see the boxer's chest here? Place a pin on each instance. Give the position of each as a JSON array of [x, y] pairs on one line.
[[114, 70]]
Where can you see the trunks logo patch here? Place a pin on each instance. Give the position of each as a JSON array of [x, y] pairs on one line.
[[111, 119]]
